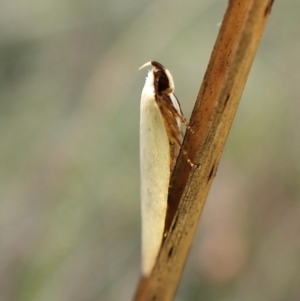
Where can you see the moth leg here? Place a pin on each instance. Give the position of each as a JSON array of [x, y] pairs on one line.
[[185, 153], [192, 164], [183, 120]]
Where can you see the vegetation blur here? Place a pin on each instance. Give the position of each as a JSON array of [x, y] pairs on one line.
[[69, 169]]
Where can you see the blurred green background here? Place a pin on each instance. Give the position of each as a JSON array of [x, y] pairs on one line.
[[69, 170]]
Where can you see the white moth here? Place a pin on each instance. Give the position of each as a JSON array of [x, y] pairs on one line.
[[160, 141]]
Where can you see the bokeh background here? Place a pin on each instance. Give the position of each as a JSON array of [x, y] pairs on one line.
[[69, 152]]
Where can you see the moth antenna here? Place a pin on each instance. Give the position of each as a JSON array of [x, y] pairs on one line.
[[189, 127], [192, 164], [183, 120], [185, 153]]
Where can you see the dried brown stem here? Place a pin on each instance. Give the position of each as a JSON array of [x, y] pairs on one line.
[[211, 120]]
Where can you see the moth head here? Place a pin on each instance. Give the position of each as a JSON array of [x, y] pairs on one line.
[[159, 78]]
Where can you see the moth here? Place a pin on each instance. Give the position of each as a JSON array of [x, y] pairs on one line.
[[160, 142]]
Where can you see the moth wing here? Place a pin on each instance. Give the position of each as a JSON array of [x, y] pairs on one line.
[[176, 105], [155, 177]]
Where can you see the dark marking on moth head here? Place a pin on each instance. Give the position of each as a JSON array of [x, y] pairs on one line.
[[157, 65], [161, 82], [153, 298], [170, 252], [269, 8]]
